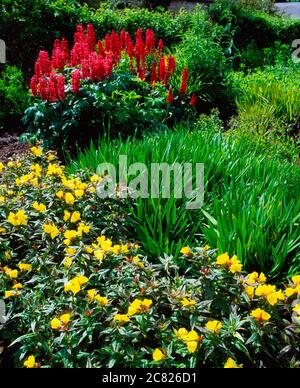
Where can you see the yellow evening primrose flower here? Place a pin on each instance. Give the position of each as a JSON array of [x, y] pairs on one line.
[[75, 217], [102, 300], [250, 291], [67, 215], [260, 315], [231, 364], [297, 308], [214, 326], [82, 279], [36, 151], [52, 230], [79, 193], [70, 251], [158, 355], [187, 302], [116, 249], [91, 294], [137, 261], [40, 207], [18, 286], [99, 255], [274, 297], [223, 259], [65, 318], [235, 266], [181, 333], [70, 235], [69, 199], [2, 230], [265, 290], [139, 306], [1, 167], [37, 170], [17, 219], [121, 318], [55, 324], [82, 228], [29, 362], [296, 280], [289, 291], [12, 273], [25, 267], [68, 262], [54, 169], [60, 194], [73, 286], [9, 294], [96, 179], [185, 251], [192, 346]]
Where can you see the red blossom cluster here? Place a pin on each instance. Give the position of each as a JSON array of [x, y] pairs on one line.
[[95, 60]]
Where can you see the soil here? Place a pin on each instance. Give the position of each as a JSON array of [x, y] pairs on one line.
[[10, 146]]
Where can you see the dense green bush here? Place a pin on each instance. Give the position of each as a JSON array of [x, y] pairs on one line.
[[250, 200], [13, 98]]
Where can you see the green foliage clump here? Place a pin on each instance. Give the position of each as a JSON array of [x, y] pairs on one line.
[[13, 98]]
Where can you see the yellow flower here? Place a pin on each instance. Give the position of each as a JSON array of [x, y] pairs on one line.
[[296, 280], [260, 315], [82, 279], [36, 168], [137, 261], [70, 251], [181, 333], [250, 291], [36, 151], [96, 179], [297, 308], [40, 207], [265, 290], [54, 169], [65, 318], [2, 230], [67, 215], [17, 219], [82, 228], [289, 291], [236, 268], [73, 286], [79, 193], [60, 194], [185, 251], [223, 259], [69, 236], [75, 217], [231, 364], [52, 230], [51, 157], [274, 297], [55, 324], [121, 318], [68, 262], [69, 199], [102, 300], [12, 273], [192, 346], [214, 326], [116, 249], [17, 286], [9, 294], [25, 267], [187, 302], [1, 167], [158, 355], [29, 362], [91, 294], [139, 306], [99, 255]]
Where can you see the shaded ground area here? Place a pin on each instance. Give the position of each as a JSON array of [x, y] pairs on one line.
[[10, 146]]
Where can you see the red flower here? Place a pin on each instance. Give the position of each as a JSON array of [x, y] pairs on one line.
[[150, 41], [43, 88], [171, 64], [34, 86], [194, 100], [61, 87], [91, 37], [170, 97], [153, 78], [75, 81], [184, 80], [162, 69], [160, 45]]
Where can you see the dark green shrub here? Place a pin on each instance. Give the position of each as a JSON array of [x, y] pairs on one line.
[[13, 98]]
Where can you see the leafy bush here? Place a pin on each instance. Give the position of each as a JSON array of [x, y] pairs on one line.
[[13, 98], [251, 196], [122, 85], [76, 299]]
